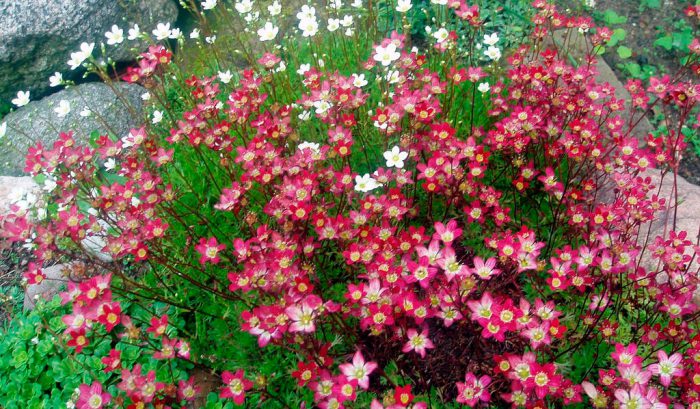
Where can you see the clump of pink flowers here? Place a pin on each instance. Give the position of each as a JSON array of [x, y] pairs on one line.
[[471, 252]]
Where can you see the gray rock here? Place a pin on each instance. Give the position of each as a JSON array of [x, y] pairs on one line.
[[55, 279], [38, 121], [38, 36]]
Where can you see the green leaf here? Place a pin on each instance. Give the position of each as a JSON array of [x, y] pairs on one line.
[[665, 42], [619, 34], [652, 4], [624, 52], [612, 18]]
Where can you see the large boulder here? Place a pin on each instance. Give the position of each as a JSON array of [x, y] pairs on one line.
[[38, 36], [111, 110]]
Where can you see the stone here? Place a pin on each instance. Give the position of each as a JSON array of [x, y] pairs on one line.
[[115, 110], [38, 36], [48, 288]]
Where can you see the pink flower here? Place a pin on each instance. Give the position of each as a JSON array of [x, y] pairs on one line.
[[418, 342], [92, 397], [209, 250], [235, 386], [667, 367], [358, 370], [473, 390]]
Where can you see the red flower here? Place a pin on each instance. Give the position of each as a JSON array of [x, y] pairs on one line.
[[235, 386]]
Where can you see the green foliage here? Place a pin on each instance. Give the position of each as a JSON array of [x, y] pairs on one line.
[[624, 52], [611, 18], [36, 371]]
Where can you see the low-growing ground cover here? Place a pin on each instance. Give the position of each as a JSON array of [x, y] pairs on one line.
[[395, 204]]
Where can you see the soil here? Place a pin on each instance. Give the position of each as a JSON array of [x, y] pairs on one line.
[[643, 28]]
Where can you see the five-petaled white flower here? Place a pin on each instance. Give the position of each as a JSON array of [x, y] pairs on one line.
[[275, 8], [225, 77], [194, 34], [134, 32], [493, 53], [62, 109], [115, 36], [157, 116], [268, 32], [56, 79], [386, 55], [491, 39], [306, 13], [366, 183], [3, 129], [359, 81], [403, 6], [484, 87], [395, 157], [162, 31], [209, 4], [333, 24], [22, 98], [308, 27], [244, 6], [441, 35]]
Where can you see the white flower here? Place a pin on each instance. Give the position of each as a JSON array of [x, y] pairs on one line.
[[116, 36], [49, 184], [484, 87], [244, 6], [349, 32], [56, 79], [282, 66], [275, 8], [333, 24], [309, 27], [157, 116], [365, 183], [589, 3], [208, 4], [78, 57], [225, 77], [86, 112], [386, 55], [322, 106], [403, 6], [357, 4], [441, 35], [194, 34], [22, 98], [175, 33], [346, 21], [303, 68], [146, 96], [62, 109], [110, 164], [268, 32], [359, 81], [440, 2], [491, 39], [210, 40], [493, 53], [3, 129], [309, 145], [395, 158], [335, 4], [306, 13], [134, 32], [305, 116], [162, 31], [393, 76]]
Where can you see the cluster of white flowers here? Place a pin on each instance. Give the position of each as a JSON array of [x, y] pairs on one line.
[[77, 58], [492, 52], [307, 21]]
